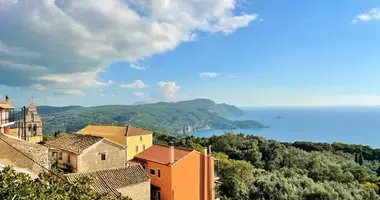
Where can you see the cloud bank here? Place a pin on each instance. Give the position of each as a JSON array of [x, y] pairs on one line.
[[62, 45]]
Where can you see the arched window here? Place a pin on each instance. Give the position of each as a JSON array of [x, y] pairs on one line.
[[34, 130], [32, 116], [30, 127]]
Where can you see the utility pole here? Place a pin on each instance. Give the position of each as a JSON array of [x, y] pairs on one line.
[[24, 125]]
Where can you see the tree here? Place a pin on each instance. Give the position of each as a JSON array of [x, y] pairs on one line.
[[361, 159], [20, 186], [356, 158]]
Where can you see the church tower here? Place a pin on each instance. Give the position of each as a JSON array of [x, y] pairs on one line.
[[30, 128]]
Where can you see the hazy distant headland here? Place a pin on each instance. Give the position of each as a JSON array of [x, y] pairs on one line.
[[174, 118]]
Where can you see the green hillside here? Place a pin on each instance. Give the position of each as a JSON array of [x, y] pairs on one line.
[[175, 118]]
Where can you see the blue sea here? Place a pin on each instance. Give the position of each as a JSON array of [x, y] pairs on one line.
[[353, 125]]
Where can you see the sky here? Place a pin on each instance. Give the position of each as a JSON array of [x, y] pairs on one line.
[[247, 53]]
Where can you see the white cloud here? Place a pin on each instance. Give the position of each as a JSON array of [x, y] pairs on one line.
[[208, 74], [261, 19], [135, 84], [57, 43], [70, 92], [373, 14], [139, 94], [134, 66], [169, 88]]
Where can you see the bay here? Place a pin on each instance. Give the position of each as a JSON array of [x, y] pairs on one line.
[[352, 125]]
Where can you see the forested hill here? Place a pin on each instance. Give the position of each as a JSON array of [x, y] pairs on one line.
[[176, 118], [252, 167]]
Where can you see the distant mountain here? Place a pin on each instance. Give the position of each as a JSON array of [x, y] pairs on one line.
[[139, 103], [176, 118]]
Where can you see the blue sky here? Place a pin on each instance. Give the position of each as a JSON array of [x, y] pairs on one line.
[[246, 53]]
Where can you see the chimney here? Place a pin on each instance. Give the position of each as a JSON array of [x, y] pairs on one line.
[[171, 152]]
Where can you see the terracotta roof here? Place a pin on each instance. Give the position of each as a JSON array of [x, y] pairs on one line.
[[109, 180], [6, 106], [160, 154], [114, 130], [10, 156], [75, 143]]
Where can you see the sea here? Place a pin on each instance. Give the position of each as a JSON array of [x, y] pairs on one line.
[[352, 125]]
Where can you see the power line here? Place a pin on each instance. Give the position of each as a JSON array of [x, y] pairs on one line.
[[64, 179]]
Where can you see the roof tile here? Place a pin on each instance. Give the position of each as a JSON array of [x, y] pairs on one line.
[[75, 143], [161, 154], [109, 180]]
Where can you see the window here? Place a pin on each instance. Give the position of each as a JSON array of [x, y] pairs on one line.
[[152, 172], [102, 156], [158, 173], [54, 154], [137, 149], [60, 155], [68, 158], [140, 138], [143, 147], [158, 195]]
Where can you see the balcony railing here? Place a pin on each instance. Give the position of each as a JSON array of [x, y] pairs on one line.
[[5, 121]]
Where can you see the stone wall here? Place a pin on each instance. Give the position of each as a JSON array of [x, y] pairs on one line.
[[90, 159], [139, 191]]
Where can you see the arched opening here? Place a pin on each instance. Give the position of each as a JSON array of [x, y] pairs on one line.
[[32, 116], [34, 130], [30, 128]]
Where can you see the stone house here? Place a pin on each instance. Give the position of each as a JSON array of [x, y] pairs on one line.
[[131, 181], [134, 139], [83, 153]]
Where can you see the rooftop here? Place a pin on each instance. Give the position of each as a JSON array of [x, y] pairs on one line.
[[114, 130], [13, 151], [109, 180], [6, 106], [75, 143], [160, 154]]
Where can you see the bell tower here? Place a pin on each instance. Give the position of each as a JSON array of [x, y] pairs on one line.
[[31, 126]]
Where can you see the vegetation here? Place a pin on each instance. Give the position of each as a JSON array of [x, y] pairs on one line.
[[251, 167], [17, 186], [176, 118]]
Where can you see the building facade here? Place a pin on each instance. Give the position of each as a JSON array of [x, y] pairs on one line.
[[178, 173], [29, 127], [84, 153], [135, 140], [7, 118]]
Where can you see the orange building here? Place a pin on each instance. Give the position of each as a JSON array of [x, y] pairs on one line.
[[178, 174]]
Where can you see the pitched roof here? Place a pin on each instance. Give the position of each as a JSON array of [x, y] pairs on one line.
[[6, 106], [13, 151], [75, 143], [109, 180], [161, 154], [114, 130]]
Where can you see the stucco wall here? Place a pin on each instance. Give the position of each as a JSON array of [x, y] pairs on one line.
[[186, 177], [139, 191], [90, 159], [164, 182], [64, 160], [134, 141]]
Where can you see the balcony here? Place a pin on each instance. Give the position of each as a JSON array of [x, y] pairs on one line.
[[7, 120]]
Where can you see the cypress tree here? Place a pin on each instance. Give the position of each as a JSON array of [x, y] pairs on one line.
[[356, 158]]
